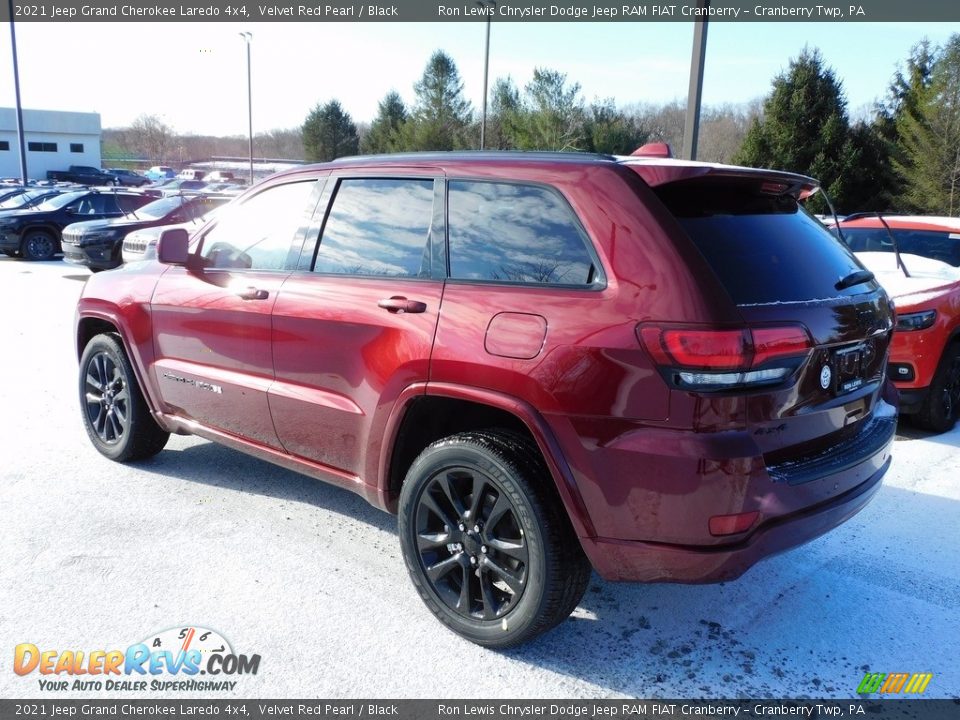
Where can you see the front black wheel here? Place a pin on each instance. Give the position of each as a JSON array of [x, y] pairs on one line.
[[486, 540], [941, 408], [39, 245], [115, 413]]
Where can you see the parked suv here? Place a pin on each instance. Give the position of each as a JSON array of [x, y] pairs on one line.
[[543, 363], [35, 233], [917, 260], [98, 243]]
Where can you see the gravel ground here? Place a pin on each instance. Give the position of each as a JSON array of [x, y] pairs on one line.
[[97, 555]]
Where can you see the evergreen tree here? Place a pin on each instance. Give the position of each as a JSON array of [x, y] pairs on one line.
[[804, 129], [929, 134], [441, 115], [609, 130], [384, 133], [505, 116], [554, 117], [329, 133]]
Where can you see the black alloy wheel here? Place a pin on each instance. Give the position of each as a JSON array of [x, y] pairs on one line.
[[107, 398], [470, 543], [115, 413], [486, 539]]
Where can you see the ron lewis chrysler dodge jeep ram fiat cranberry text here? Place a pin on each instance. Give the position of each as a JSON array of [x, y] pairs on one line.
[[543, 363]]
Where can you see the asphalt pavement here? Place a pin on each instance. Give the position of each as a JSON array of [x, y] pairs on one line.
[[97, 556]]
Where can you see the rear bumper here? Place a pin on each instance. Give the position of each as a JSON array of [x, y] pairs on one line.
[[653, 562], [656, 528]]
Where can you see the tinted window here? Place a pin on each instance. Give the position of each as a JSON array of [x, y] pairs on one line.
[[762, 247], [96, 205], [258, 233], [76, 147], [131, 202], [378, 227], [926, 243], [514, 233]]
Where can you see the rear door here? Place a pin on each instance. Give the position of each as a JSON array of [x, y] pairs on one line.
[[212, 322], [354, 326]]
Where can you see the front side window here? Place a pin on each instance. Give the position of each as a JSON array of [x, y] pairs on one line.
[[257, 234], [378, 227], [506, 232]]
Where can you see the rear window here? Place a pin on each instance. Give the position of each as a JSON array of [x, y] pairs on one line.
[[942, 246], [764, 248]]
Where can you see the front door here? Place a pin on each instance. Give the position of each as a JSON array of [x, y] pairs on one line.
[[212, 321]]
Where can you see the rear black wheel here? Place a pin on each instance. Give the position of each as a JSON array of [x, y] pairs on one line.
[[486, 540], [115, 413]]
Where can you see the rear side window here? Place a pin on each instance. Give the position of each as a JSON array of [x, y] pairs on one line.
[[763, 248], [131, 202], [378, 227], [942, 246], [507, 232]]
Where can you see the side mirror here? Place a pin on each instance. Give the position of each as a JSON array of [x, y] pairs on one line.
[[173, 247]]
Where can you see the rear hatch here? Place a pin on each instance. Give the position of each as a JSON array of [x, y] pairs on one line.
[[817, 326]]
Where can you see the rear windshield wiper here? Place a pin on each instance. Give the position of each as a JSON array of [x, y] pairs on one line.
[[854, 278]]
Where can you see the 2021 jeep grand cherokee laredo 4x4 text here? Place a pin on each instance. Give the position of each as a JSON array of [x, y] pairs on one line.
[[543, 362]]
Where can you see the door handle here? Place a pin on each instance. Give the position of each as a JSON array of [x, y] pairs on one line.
[[252, 293], [398, 304]]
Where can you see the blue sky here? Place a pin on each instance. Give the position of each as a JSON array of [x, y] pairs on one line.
[[193, 75]]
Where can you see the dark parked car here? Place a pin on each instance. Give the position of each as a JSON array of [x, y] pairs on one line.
[[82, 174], [35, 233], [662, 370], [28, 198], [128, 178], [98, 243]]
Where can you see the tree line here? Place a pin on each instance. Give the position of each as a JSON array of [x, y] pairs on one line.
[[903, 157]]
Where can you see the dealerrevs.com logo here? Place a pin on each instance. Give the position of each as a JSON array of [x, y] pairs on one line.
[[187, 659]]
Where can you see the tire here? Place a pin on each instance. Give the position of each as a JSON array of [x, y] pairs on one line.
[[941, 407], [486, 540], [39, 245], [115, 414]]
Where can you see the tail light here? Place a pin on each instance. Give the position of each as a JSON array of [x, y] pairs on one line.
[[716, 359]]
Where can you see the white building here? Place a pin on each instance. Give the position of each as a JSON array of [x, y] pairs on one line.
[[55, 140]]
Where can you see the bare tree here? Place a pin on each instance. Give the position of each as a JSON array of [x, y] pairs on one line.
[[151, 138]]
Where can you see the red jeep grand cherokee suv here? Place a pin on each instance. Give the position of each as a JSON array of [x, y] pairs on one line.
[[542, 362]]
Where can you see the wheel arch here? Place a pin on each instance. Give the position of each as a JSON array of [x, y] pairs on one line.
[[93, 322], [427, 412]]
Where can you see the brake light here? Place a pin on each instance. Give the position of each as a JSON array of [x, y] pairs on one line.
[[723, 358]]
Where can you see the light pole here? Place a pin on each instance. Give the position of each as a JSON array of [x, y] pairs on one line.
[[490, 5], [16, 88], [691, 128], [248, 36]]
